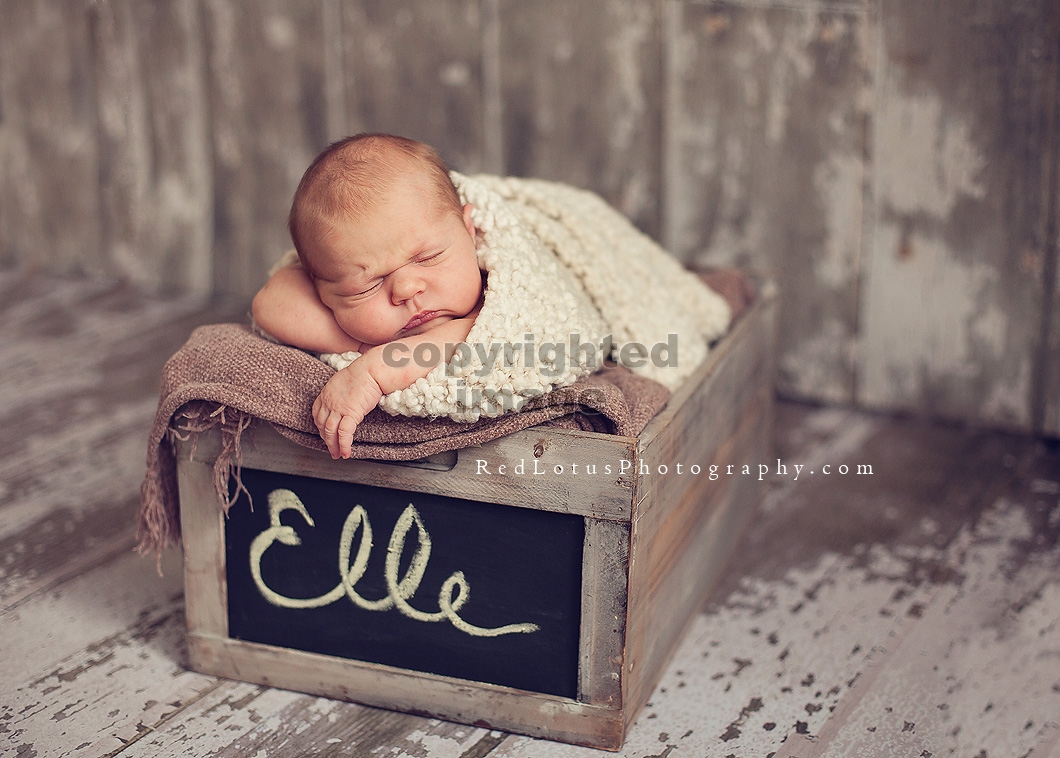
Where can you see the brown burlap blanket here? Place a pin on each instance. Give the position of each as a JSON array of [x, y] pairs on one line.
[[226, 376]]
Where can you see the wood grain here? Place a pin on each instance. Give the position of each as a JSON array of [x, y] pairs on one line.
[[81, 364], [415, 69], [582, 101], [49, 159], [202, 532], [265, 64], [483, 704], [155, 169], [766, 119], [477, 474], [953, 305], [605, 574]]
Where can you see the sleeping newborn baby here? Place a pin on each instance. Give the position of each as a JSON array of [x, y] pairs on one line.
[[534, 284], [386, 252]]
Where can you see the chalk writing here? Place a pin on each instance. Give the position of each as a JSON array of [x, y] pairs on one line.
[[452, 596]]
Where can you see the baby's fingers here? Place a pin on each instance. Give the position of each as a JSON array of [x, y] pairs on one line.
[[320, 415], [347, 426], [329, 431]]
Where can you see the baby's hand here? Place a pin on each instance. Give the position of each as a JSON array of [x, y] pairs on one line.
[[343, 403]]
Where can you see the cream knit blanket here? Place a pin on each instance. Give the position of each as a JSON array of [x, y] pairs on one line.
[[567, 278]]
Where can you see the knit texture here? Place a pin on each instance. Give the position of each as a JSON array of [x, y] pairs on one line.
[[564, 269]]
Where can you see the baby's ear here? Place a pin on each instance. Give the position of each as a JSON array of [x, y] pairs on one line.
[[468, 223]]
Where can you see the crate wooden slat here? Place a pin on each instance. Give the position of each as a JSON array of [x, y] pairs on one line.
[[654, 543], [601, 498]]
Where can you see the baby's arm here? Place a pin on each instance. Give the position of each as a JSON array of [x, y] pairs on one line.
[[288, 308], [351, 393]]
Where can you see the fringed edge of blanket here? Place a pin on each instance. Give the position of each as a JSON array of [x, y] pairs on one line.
[[159, 521]]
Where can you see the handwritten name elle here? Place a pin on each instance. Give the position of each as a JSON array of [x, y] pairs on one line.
[[452, 596]]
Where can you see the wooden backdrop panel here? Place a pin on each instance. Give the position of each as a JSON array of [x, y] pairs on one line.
[[155, 175], [582, 99], [49, 161], [765, 167], [1047, 401], [952, 309], [415, 69], [268, 120]]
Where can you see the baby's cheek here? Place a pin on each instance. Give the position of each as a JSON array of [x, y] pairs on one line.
[[350, 323]]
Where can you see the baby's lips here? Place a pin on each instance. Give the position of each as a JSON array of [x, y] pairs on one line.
[[420, 318]]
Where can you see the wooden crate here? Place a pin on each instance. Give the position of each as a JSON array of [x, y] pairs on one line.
[[591, 579]]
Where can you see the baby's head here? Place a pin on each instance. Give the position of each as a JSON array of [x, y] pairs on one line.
[[379, 227]]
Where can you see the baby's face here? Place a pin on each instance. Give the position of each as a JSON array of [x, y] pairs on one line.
[[400, 269]]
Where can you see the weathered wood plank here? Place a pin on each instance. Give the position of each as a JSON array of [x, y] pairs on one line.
[[80, 386], [744, 675], [927, 482], [901, 706], [1050, 360], [528, 468], [581, 98], [110, 665], [156, 201], [766, 116], [952, 311], [217, 717], [415, 69], [49, 164], [679, 554], [329, 726], [399, 689], [241, 719], [267, 93], [202, 535], [605, 571]]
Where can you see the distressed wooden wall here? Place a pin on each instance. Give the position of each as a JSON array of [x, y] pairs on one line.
[[895, 162]]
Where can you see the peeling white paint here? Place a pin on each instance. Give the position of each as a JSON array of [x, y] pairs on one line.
[[623, 51], [758, 674], [422, 743], [932, 314], [792, 64], [919, 317], [813, 368], [993, 688], [628, 106], [929, 161], [837, 181]]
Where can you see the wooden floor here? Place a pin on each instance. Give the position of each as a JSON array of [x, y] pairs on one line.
[[911, 612]]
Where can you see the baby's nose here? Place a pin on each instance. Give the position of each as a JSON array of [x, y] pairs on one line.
[[407, 284]]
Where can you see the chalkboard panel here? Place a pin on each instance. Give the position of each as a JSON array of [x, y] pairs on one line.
[[477, 591]]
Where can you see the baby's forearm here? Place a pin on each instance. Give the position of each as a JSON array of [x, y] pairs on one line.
[[352, 392], [288, 308], [398, 364]]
